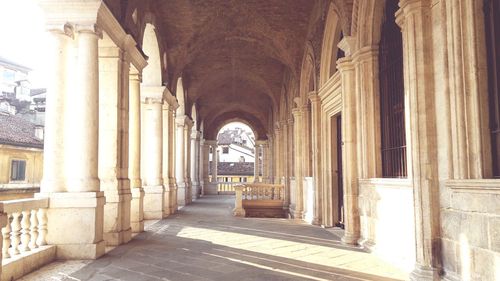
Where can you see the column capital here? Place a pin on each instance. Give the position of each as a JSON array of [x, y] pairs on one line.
[[347, 44], [296, 112], [61, 29], [260, 142], [314, 98], [366, 53], [182, 120], [152, 93], [134, 75], [345, 64], [210, 142], [195, 134]]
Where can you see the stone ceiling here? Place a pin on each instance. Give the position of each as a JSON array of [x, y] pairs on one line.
[[232, 54]]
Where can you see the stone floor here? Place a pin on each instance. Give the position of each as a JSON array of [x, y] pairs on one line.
[[204, 242]]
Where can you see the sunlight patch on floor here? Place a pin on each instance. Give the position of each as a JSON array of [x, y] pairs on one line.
[[299, 251]]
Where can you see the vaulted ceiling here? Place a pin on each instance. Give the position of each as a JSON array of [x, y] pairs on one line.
[[233, 54]]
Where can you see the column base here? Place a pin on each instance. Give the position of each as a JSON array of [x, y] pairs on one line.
[[189, 192], [424, 273], [240, 212], [296, 214], [316, 221], [211, 189], [117, 229], [83, 214], [173, 198], [195, 191], [118, 238], [153, 202], [367, 244], [181, 194], [137, 210], [350, 239]]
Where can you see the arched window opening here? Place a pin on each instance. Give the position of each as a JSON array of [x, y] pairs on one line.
[[340, 53], [392, 111], [492, 17]]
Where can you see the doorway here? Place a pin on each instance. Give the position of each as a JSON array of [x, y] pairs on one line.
[[336, 171]]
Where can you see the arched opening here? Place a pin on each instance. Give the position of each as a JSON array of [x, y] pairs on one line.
[[330, 51], [492, 17], [238, 157], [392, 109]]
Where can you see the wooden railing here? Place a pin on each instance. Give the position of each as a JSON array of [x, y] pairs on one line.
[[259, 196], [26, 227]]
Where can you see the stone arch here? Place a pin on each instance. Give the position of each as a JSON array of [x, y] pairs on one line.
[[152, 73], [254, 123], [329, 49], [369, 22], [307, 74], [180, 94]]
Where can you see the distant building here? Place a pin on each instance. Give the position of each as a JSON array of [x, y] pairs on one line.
[[236, 145], [22, 121]]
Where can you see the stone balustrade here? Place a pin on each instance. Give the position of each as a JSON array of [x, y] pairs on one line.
[[259, 199], [24, 247], [227, 187]]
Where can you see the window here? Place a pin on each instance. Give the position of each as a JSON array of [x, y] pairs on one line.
[[492, 18], [18, 170], [225, 150], [392, 116]]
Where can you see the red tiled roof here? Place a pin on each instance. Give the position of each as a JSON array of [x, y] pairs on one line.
[[234, 168], [17, 131]]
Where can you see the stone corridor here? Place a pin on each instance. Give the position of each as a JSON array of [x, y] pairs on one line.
[[204, 242]]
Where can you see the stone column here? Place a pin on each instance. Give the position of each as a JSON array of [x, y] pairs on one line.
[[53, 161], [256, 163], [215, 158], [206, 153], [180, 171], [277, 156], [82, 208], [265, 162], [297, 206], [167, 115], [270, 158], [195, 143], [187, 159], [153, 149], [113, 144], [349, 149], [172, 159], [368, 105], [413, 17], [134, 151], [316, 155]]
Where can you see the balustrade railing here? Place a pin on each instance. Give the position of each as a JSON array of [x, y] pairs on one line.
[[256, 192], [262, 191], [26, 227], [224, 185]]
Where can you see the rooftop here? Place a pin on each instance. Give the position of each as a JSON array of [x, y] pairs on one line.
[[17, 131]]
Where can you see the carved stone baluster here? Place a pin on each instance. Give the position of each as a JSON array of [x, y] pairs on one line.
[[42, 227], [25, 232], [6, 239], [15, 234], [34, 229]]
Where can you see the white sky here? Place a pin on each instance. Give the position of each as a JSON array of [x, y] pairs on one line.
[[23, 38]]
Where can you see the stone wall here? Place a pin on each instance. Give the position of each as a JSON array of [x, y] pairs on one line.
[[470, 221], [387, 220]]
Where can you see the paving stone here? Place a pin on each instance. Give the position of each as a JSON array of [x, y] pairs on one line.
[[205, 242]]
